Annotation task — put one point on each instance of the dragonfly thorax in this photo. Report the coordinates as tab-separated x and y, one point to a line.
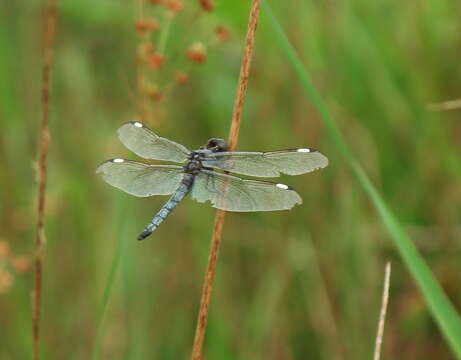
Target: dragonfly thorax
194	164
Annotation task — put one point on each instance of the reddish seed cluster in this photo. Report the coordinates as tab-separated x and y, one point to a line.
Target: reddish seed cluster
151	54
222	33
182	78
206	5
155	61
197	53
174	6
144	50
149	25
14	264
20	264
152	91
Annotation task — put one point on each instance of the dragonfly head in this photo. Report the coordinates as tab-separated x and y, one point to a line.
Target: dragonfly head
216	145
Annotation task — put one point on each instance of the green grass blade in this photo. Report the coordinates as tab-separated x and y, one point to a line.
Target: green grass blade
123	208
441	308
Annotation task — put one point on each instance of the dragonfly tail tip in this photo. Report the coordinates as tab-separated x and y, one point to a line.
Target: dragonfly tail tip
144	234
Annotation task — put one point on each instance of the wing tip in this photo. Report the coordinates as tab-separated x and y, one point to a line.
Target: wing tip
312	150
298	199
130	124
324	159
99	168
135	123
284	186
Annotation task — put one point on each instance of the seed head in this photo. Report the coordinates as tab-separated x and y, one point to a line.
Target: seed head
206	5
174	6
222	33
155	60
197	53
20	264
153	91
145	49
182	78
149	24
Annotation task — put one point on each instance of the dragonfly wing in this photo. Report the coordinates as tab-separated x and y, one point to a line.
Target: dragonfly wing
145	143
268	164
140	179
231	193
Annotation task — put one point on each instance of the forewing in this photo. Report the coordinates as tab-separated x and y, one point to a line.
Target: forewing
145	143
268	164
140	179
231	193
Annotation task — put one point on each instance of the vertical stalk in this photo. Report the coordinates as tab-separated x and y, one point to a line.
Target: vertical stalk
219	218
382	314
43	144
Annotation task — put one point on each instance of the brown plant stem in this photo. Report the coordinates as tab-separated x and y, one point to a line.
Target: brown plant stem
219	218
44	138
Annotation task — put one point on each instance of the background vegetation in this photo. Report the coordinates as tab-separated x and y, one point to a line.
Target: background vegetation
290	285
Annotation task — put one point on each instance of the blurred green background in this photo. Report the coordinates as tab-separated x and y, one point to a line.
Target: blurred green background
290	285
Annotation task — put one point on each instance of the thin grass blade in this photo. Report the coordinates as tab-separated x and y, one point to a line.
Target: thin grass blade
440	306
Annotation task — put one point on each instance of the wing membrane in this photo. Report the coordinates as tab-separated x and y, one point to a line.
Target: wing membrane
231	193
145	143
268	164
140	179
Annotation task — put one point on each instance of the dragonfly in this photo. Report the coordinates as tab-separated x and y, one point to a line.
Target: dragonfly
204	173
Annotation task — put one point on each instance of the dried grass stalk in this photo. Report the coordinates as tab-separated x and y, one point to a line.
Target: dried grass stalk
445	105
219	218
43	144
382	315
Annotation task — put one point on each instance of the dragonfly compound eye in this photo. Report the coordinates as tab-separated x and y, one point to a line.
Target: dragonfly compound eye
216	145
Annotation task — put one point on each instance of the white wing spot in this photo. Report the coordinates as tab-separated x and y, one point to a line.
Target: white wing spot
304	150
138	124
282	186
118	160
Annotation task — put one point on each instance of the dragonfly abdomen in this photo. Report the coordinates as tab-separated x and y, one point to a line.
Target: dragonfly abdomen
183	189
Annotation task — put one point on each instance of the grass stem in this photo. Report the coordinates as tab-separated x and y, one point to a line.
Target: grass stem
43	145
382	314
439	304
219	218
